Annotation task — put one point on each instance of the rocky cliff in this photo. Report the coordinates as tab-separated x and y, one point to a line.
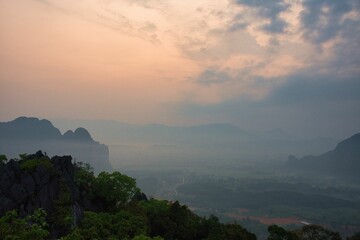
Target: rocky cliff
52	184
57	185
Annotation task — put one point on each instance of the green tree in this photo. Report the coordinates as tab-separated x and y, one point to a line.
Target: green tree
3	159
120	225
187	223
212	229
115	188
157	212
15	228
85	179
209	227
30	164
23	156
316	232
143	237
233	231
278	233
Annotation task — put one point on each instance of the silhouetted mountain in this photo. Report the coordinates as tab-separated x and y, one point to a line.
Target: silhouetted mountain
29	128
220	141
80	134
343	160
26	135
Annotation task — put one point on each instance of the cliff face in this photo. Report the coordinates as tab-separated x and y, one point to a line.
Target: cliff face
36	181
26	135
27	189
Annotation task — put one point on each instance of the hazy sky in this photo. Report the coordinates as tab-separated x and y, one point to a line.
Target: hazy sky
259	64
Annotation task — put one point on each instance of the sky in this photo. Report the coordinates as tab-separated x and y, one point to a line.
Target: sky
258	64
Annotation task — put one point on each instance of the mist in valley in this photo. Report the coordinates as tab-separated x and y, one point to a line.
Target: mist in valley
246	110
255	178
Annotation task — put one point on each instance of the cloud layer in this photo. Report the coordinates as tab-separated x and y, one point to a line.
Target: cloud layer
185	62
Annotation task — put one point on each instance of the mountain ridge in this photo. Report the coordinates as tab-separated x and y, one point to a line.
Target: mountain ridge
30	134
216	141
343	160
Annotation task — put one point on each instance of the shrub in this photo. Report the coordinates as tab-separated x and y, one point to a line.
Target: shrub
30	164
32	227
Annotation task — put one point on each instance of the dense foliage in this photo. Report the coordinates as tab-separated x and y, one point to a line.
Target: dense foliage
27	164
307	232
125	213
115	188
112	208
32	227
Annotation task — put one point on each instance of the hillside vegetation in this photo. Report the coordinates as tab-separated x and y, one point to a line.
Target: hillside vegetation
43	198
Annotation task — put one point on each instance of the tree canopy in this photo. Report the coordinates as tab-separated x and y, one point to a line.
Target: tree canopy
116	188
112	209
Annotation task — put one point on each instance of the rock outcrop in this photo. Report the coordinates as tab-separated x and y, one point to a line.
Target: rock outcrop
28	189
40	182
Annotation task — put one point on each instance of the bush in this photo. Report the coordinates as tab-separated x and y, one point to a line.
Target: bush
120	225
143	237
32	227
30	164
115	188
3	159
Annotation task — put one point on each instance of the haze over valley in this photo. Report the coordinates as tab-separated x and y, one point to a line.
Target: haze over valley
248	110
214	169
144	144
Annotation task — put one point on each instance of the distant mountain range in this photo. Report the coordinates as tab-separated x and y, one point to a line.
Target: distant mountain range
344	160
132	144
142	143
28	135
